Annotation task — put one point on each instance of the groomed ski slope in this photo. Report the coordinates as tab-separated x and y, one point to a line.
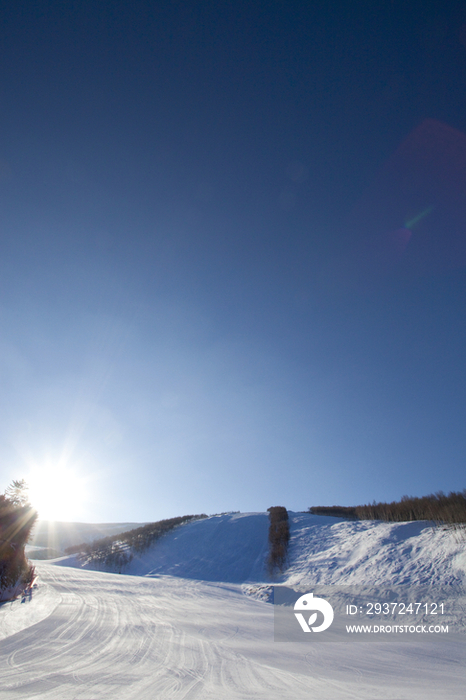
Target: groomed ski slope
233	548
186	629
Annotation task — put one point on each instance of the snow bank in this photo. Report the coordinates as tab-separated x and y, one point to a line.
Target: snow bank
23	612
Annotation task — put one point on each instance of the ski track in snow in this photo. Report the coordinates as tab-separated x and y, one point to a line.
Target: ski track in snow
162	636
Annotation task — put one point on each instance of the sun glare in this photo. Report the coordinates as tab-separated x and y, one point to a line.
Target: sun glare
56	492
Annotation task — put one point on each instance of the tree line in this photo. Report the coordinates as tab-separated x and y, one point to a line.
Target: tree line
439	507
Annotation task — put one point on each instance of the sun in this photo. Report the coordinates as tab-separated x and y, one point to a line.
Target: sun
57	492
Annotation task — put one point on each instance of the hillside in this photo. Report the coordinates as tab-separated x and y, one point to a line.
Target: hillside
233	548
179	625
330	550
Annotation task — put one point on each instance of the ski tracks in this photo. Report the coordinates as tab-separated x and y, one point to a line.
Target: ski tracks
127	637
135	638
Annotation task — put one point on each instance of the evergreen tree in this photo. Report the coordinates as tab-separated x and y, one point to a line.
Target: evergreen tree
16	493
17	518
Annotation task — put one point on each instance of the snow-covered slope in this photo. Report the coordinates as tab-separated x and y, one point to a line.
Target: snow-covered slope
233	548
328	550
183	628
135	638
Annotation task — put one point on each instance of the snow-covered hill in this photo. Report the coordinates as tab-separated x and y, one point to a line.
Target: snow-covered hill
329	550
183	628
233	548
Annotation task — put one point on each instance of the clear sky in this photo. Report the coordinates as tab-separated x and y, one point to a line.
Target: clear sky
233	254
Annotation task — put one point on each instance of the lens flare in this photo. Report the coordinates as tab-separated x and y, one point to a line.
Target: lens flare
412	222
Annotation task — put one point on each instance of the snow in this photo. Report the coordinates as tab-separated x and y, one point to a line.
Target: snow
336	551
231	547
19	614
179	625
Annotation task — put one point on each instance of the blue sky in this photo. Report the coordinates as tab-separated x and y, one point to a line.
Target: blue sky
210	297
